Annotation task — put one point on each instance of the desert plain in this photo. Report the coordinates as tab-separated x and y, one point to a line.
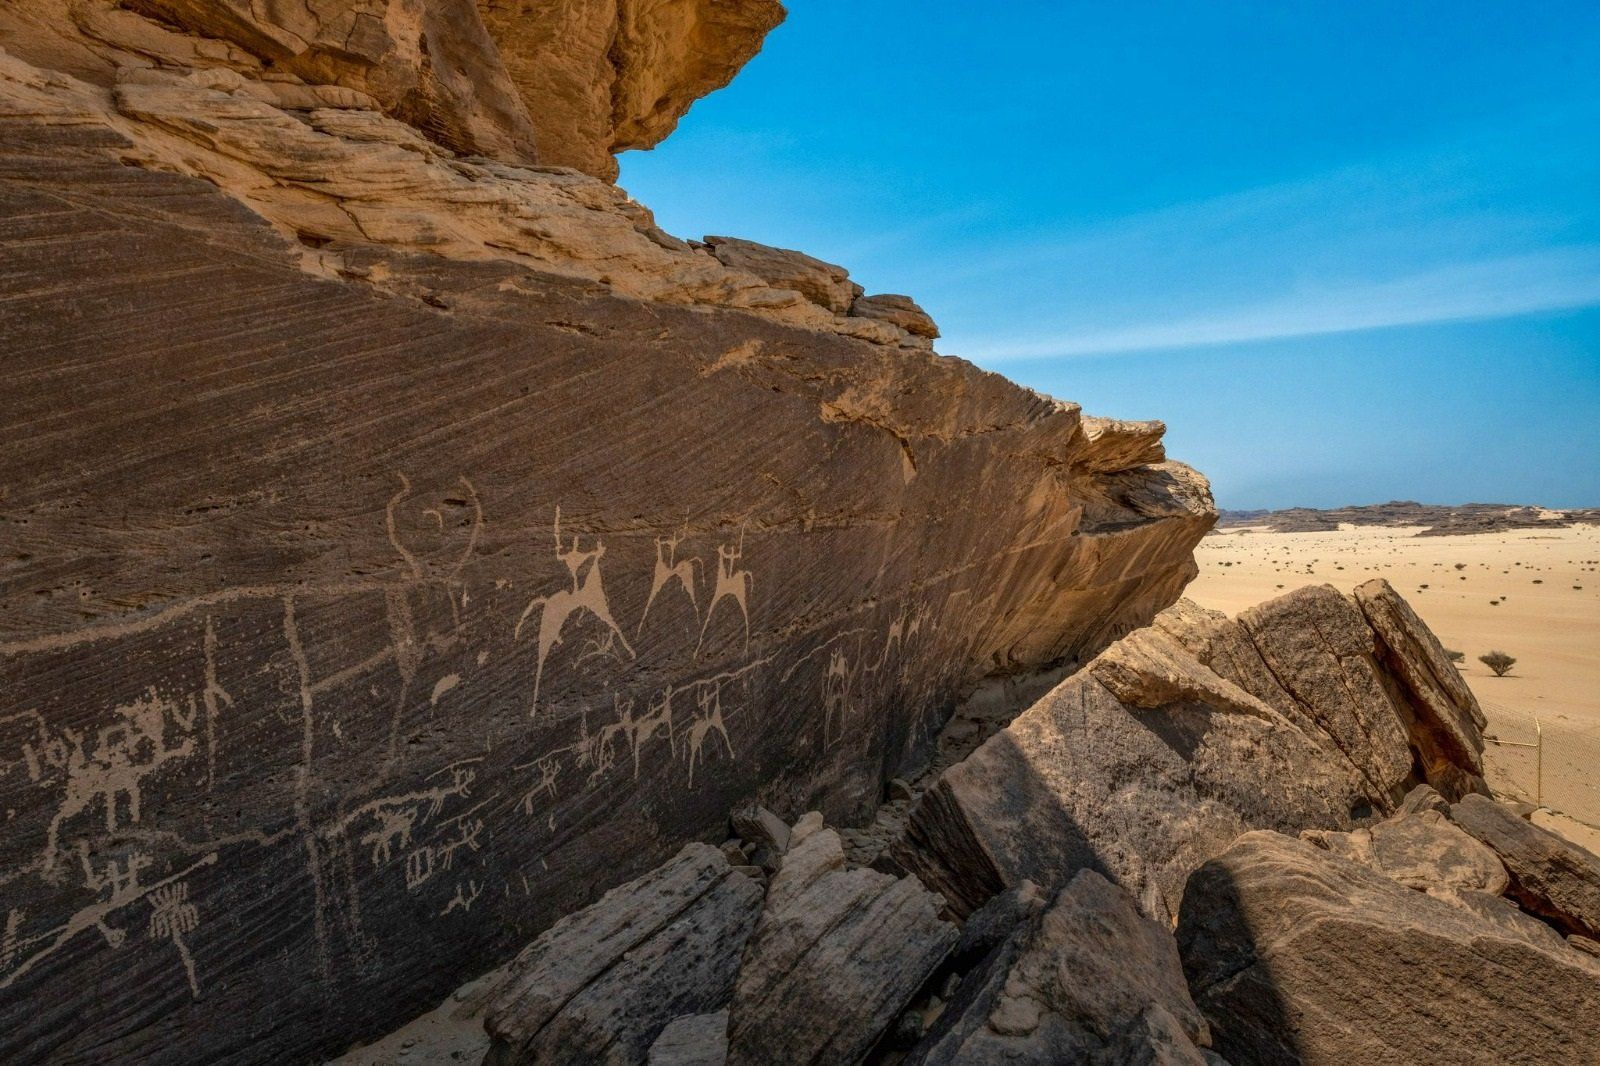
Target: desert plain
1533	594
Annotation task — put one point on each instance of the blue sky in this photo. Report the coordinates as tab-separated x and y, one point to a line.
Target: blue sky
1347	251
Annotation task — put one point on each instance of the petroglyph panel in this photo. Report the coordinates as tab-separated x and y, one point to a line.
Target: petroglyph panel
353	630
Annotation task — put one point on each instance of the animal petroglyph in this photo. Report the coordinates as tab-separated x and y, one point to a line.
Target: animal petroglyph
115	765
587	594
398	816
546	771
466	895
669	568
171	917
394	828
733	584
430	859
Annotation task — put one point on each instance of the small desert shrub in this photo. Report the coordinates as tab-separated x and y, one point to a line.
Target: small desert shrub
1456	656
1499	662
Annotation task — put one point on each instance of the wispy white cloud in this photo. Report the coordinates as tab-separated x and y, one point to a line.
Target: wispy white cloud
1496	287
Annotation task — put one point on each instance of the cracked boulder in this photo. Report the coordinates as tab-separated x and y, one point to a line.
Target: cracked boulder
1174	741
1421	850
836	957
606	981
1086	979
1298	955
1550	876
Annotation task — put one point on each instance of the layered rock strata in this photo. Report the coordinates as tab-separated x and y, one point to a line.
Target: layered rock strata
400	548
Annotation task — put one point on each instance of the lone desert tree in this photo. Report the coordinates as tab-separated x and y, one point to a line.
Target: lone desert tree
1499	662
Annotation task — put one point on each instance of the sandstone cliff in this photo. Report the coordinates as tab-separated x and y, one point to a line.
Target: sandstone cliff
401	542
566	82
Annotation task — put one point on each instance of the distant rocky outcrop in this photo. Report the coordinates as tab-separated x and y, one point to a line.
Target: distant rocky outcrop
1313	710
1438	520
402	541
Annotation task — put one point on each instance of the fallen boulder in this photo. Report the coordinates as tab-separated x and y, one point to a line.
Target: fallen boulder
1443	720
1421	850
1088	979
1296	955
835	958
602	984
1550	876
1170	744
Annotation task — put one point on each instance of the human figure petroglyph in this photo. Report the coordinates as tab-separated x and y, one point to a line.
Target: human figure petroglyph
670	568
8	943
121	885
171	917
835	693
123	755
212	696
707	721
733	584
555	610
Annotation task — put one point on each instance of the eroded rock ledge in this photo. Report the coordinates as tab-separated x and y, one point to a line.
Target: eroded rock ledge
562	82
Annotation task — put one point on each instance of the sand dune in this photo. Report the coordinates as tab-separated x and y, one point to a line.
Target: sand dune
1534	594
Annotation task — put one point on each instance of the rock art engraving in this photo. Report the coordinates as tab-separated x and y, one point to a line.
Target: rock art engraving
836	680
733	584
546	770
467	894
153	731
171	916
707	722
668	569
119	882
587	594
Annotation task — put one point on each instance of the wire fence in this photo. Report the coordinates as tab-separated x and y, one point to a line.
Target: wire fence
1551	761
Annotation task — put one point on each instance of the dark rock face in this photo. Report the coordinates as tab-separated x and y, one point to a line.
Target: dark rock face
607	980
1180	737
1088	979
351	633
837	955
1550	876
1296	955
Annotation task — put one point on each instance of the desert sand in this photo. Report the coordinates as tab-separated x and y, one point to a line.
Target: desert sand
1534	594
